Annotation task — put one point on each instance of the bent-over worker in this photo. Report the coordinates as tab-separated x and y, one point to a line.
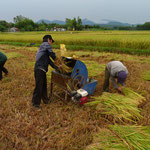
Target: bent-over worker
3	59
115	70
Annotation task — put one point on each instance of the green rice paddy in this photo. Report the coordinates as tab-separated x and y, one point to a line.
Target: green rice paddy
132	42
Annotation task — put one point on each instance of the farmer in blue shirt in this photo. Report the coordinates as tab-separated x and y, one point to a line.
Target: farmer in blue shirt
3	59
41	67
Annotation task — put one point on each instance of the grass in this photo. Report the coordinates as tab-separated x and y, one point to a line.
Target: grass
146	75
13	55
94	67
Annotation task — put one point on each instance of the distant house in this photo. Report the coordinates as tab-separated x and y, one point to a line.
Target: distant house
46	29
63	29
58	29
14	29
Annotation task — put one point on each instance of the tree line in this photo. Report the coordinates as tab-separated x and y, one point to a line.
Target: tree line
25	24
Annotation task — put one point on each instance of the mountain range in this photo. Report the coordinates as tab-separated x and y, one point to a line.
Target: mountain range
103	22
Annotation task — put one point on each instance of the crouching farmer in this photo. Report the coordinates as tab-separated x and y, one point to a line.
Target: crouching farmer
115	70
3	59
41	67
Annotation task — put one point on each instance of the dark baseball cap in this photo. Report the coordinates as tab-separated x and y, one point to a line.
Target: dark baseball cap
122	77
46	37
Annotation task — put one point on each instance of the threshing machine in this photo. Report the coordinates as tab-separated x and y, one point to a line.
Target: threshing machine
75	84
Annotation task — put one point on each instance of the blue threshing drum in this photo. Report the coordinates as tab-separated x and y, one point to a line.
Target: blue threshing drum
80	70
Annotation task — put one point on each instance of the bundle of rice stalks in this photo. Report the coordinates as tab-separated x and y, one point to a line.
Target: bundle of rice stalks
62	65
63	49
104	139
136	98
134	137
146	76
116	106
60	61
118	137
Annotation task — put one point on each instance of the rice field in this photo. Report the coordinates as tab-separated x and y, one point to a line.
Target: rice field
133	42
121	123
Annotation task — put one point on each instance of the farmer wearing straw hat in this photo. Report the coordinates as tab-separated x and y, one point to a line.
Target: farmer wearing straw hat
115	70
3	59
40	69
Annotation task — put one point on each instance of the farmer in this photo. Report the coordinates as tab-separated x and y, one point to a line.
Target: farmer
115	70
40	69
3	59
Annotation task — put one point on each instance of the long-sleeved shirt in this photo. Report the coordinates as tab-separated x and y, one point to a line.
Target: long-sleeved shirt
3	57
114	67
43	57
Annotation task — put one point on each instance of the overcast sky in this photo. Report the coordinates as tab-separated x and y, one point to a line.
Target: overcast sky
127	11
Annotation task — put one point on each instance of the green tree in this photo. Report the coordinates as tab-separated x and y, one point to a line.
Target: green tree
24	23
69	24
41	27
79	24
29	28
74	24
3	25
145	26
18	19
2	28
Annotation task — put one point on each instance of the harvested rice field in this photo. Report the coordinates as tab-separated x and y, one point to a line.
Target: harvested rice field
114	122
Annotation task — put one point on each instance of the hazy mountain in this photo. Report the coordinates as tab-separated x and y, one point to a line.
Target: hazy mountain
50	22
84	21
103	22
87	22
111	23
